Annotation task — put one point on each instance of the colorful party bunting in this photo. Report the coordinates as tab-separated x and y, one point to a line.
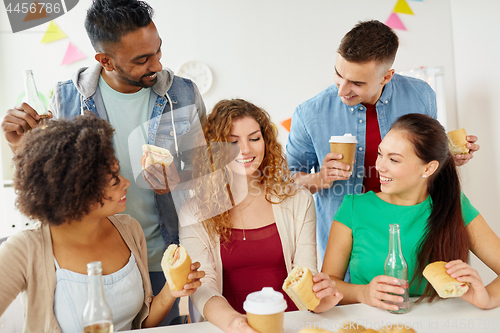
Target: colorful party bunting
402	7
287	124
37	14
72	55
394	22
53	33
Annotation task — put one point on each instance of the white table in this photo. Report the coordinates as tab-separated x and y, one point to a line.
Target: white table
451	315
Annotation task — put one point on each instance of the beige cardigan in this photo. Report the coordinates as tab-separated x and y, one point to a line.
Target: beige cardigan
296	223
27	265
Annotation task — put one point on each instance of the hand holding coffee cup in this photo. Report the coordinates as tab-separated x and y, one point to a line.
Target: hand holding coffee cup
345	145
338	164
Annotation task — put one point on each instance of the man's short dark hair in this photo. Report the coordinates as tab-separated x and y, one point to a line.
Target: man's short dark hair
107	21
368	41
63	171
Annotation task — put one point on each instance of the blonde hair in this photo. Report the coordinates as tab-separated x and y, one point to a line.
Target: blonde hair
213	196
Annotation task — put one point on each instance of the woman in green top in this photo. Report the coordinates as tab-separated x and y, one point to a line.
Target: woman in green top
420	190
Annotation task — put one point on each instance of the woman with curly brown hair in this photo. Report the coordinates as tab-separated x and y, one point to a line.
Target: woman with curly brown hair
67	178
247	223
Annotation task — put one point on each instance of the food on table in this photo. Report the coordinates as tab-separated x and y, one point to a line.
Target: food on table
352	327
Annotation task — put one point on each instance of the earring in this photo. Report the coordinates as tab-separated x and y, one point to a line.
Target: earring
425	176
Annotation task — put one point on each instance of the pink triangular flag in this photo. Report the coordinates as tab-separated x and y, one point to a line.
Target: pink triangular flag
73	54
394	22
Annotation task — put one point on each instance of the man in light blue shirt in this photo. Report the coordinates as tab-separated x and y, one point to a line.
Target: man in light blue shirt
364	79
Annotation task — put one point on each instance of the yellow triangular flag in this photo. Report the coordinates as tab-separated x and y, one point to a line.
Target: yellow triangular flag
403	8
53	33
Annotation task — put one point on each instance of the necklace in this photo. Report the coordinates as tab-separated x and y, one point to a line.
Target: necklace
241	215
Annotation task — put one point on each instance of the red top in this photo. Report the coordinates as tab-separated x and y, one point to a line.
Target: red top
252	264
371	180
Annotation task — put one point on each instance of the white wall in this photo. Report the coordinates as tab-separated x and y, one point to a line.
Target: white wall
476	36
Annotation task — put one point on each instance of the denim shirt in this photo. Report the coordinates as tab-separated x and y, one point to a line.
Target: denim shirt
324	115
73	97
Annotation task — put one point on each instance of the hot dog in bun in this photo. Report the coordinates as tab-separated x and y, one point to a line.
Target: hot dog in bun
298	285
443	283
176	265
152	155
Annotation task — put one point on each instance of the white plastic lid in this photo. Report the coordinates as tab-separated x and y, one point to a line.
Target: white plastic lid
346	138
265	302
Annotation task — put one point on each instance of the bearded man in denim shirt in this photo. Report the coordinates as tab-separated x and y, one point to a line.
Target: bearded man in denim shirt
366	99
145	103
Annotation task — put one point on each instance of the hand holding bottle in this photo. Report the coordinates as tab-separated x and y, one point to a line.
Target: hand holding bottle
18	121
396	267
383	292
30	114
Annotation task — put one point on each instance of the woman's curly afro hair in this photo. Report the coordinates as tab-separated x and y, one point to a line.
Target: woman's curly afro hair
62	171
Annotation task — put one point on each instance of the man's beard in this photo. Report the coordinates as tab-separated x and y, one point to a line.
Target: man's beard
126	78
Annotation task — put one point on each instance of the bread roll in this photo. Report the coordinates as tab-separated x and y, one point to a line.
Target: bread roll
351	327
152	155
298	285
457	140
176	265
443	283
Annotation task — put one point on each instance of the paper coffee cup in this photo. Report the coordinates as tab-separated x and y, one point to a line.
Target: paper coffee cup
345	145
265	310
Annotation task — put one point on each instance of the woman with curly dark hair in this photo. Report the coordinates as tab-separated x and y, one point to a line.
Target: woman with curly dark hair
247	224
67	178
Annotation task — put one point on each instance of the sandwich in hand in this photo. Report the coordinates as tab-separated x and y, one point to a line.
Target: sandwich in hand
176	265
152	155
457	140
298	285
443	283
